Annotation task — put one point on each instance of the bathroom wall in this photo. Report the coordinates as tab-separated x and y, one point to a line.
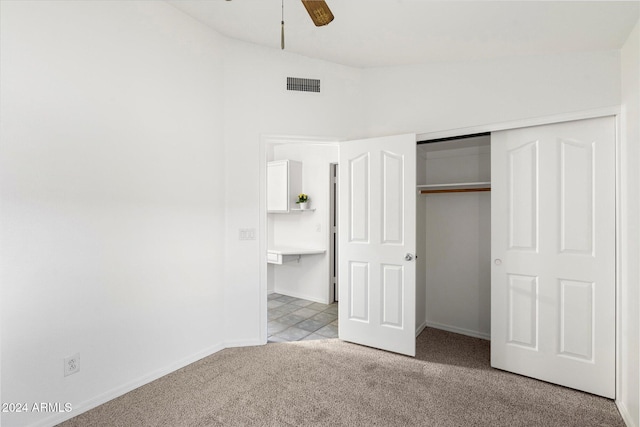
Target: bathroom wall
309	278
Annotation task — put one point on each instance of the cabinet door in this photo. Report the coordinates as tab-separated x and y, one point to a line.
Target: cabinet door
278	186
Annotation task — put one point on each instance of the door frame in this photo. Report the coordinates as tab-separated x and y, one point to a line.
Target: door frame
268	141
333	251
614	111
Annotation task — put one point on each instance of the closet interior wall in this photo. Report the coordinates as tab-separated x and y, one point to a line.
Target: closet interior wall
454	238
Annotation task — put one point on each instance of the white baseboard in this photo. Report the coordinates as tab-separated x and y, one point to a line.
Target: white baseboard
626	416
301	296
420	328
461	331
243	343
126	388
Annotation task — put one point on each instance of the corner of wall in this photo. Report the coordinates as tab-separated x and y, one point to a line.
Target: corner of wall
629	421
628	378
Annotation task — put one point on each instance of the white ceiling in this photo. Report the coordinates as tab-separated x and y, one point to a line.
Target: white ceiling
371	33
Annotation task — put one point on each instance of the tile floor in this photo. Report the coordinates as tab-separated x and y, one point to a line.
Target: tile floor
294	319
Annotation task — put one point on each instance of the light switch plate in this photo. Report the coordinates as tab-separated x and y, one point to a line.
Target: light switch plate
247	234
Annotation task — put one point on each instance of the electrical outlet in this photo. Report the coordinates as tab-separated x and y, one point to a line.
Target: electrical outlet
71	364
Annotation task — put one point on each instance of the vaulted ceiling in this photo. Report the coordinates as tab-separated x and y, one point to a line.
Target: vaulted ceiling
372	33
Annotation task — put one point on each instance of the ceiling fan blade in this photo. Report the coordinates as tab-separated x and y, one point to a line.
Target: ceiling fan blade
318	11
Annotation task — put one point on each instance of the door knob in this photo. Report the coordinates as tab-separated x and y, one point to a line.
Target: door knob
498	261
408	257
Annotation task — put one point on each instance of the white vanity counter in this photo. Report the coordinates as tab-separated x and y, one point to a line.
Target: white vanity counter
280	254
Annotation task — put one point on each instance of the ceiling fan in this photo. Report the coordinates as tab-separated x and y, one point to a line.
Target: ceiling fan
318	10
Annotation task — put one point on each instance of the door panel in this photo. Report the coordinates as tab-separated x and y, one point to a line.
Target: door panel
392	198
523	310
377	217
553	245
359	186
576	319
576	197
392	298
523	197
358	299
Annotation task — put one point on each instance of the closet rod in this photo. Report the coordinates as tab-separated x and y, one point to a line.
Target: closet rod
455	190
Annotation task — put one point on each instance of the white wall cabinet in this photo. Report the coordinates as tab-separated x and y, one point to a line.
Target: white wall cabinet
284	183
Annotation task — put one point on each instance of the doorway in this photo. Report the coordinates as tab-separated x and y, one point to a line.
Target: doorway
549	183
299	268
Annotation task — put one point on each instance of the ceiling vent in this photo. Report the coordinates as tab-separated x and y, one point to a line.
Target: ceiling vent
303	85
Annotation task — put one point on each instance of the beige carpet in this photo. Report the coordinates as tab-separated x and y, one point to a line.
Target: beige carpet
333	383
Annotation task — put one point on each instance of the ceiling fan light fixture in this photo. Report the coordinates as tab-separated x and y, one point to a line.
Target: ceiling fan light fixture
318	11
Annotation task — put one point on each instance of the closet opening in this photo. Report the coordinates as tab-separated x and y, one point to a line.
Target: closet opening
453	225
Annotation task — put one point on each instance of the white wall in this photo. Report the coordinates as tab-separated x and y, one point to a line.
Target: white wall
452	95
256	103
629	396
458	242
308	278
112	189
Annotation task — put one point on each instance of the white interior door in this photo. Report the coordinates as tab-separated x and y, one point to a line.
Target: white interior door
377	209
553	249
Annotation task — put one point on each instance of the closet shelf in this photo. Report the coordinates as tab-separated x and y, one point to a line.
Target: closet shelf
460	187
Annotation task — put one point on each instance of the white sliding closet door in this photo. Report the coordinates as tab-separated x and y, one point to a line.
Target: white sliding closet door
553	249
377	241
